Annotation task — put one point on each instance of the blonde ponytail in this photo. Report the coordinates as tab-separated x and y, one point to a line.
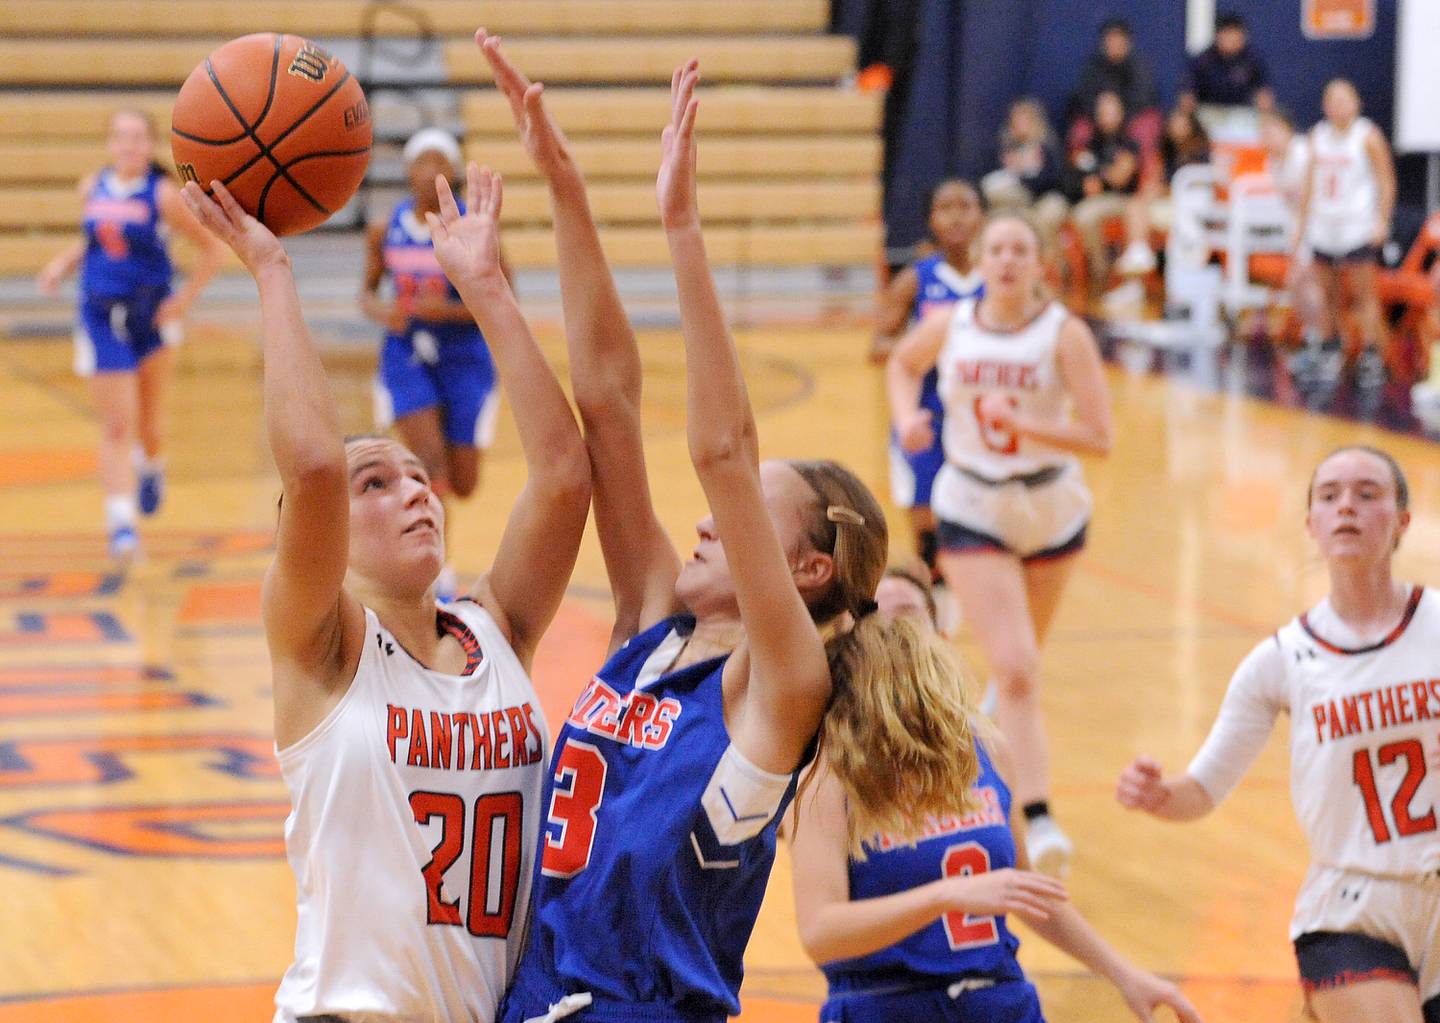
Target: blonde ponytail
898	735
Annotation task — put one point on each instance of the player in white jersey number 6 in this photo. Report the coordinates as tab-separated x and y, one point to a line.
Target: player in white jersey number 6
1359	677
409	735
1024	391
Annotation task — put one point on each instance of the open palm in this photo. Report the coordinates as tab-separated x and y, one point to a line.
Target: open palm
541	136
467	244
675	184
223	217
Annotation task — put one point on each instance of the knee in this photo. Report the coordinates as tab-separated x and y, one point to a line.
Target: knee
116	429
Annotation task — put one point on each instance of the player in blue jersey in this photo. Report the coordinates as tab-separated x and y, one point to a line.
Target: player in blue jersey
671	773
436	380
940	279
129	318
919	932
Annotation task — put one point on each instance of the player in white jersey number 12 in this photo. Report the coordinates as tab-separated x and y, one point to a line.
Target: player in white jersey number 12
408	735
1359	677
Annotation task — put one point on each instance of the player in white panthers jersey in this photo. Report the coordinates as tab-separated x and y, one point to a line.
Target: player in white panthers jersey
1359	676
409	735
1345	211
460	754
1024	392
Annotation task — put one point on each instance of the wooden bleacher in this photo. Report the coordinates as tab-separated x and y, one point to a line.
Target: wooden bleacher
346	18
790	161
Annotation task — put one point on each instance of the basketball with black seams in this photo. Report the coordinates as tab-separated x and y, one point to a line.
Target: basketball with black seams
281	122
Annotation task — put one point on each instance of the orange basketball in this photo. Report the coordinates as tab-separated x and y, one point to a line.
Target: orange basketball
280	122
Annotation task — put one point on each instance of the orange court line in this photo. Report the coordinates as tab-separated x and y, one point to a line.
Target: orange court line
46	465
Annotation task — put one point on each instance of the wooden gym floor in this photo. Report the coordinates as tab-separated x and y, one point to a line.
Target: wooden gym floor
140	807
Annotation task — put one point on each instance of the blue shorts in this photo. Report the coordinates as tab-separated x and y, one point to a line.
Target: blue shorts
449	370
912	474
1006	1001
1331	959
116	334
957	538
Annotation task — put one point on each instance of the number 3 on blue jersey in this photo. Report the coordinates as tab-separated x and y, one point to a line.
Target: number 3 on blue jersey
578	788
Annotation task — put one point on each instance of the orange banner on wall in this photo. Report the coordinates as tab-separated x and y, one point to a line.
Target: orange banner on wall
1338	19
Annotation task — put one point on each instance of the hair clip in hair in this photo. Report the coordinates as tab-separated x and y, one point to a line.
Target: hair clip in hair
866	608
849	516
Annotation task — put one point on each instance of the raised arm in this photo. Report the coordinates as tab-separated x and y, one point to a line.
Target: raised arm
833	926
789	686
913	357
605	373
527	581
313	628
212	252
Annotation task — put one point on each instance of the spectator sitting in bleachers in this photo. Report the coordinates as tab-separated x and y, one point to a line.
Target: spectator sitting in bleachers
1104	176
1116	67
1031	171
1184	143
1227	81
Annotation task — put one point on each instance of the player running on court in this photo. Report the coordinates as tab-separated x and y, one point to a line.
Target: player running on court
129	319
919	932
1359	677
942	279
672	771
408	735
435	381
1024	393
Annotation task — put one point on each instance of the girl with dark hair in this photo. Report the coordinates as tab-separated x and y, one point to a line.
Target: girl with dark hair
938	280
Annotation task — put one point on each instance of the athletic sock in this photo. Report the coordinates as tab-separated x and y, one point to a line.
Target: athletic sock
119	511
1039	808
929	551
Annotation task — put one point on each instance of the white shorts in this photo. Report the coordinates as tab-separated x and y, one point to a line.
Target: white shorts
1338	237
1403	913
1025	519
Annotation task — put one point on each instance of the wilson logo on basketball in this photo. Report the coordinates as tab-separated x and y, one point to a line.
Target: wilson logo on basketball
310	62
357	115
187	172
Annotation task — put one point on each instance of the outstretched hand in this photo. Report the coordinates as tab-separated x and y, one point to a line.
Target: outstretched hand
1142	786
675	185
223	217
1144	993
468	245
546	144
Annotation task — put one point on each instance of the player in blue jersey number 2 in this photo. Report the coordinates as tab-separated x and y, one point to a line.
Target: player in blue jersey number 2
919	932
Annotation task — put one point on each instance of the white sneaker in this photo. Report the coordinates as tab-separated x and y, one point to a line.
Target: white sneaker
1137	259
1050	848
